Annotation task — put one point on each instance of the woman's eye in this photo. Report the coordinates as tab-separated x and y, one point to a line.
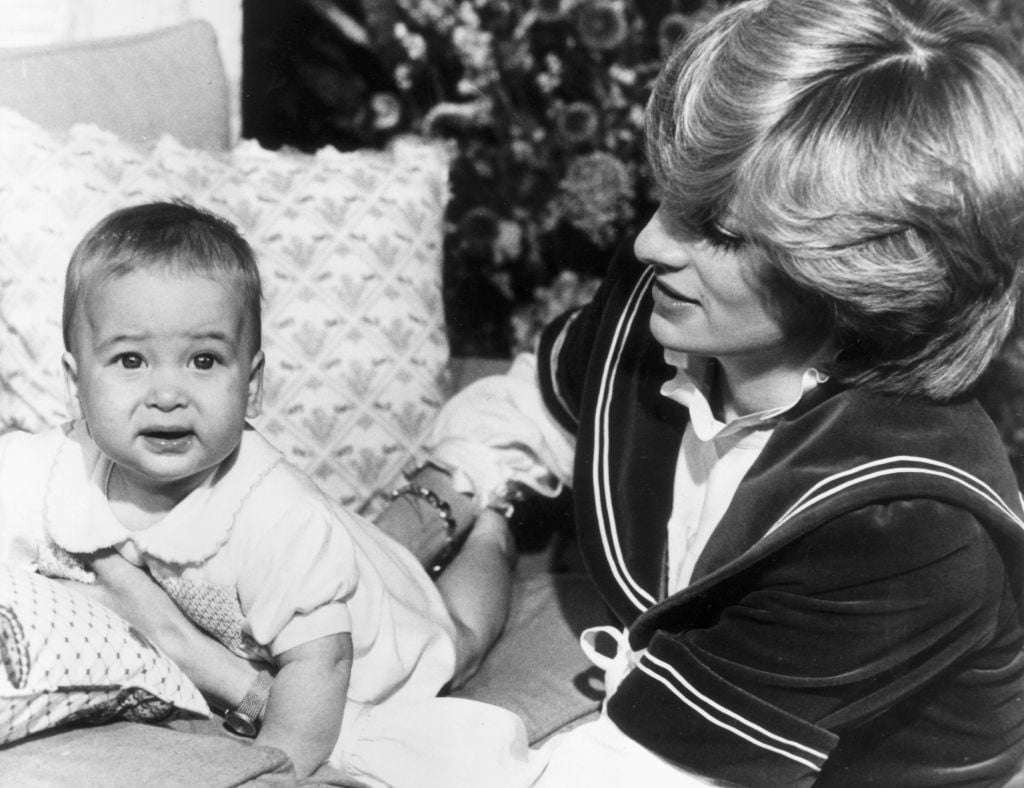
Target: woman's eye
129	360
204	361
720	238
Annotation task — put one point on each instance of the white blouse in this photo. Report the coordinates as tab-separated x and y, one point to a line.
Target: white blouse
498	429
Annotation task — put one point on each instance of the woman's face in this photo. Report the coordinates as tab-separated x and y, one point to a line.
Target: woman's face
715	295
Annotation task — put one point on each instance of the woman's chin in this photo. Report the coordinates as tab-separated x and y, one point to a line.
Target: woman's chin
671	336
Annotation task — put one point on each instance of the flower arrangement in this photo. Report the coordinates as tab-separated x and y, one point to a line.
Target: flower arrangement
543	101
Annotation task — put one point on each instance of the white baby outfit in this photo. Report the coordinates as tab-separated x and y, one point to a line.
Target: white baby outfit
261	559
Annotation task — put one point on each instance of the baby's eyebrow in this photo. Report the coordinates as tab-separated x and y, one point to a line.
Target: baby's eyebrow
120	339
214	335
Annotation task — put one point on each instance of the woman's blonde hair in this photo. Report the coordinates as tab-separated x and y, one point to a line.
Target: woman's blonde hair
875	151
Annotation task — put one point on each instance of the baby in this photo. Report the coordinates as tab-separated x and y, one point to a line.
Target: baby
163	367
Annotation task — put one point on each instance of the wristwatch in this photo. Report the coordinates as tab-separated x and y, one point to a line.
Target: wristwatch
245	719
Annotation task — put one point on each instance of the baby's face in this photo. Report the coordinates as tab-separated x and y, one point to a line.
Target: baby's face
165	375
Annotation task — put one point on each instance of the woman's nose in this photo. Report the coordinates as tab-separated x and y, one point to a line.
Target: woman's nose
656	246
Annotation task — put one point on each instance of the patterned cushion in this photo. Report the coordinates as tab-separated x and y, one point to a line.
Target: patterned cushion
349	248
66	659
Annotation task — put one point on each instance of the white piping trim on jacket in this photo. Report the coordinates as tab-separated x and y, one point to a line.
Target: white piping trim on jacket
556	350
604	507
689	695
941	469
681	688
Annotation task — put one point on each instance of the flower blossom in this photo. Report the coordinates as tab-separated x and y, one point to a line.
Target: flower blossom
601	24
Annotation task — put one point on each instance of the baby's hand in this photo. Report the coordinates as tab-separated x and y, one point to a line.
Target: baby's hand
126	589
131	592
109	584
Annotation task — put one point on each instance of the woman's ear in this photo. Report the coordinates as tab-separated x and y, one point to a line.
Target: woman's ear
70	367
255	401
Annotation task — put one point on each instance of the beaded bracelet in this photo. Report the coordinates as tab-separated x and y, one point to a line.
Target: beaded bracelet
442	559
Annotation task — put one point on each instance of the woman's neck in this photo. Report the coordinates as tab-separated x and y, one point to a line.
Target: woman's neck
745	385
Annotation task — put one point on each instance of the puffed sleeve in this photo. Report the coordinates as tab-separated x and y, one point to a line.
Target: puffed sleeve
298	569
850	618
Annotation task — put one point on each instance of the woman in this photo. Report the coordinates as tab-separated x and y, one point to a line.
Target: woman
808	530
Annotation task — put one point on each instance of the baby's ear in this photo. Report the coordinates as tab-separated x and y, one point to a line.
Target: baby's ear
70	367
255	401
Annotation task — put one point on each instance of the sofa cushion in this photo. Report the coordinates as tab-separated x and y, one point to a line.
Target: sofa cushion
165	755
67	659
537	668
349	250
170	81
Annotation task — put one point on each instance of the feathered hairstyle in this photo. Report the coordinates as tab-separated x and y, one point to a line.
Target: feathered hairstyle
875	151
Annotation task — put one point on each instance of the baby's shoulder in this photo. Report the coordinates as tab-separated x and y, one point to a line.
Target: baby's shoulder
276	495
284	493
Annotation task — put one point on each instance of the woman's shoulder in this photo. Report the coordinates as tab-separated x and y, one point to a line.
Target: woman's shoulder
852	451
854	431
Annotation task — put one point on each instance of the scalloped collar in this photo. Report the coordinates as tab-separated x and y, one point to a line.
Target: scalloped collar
78	517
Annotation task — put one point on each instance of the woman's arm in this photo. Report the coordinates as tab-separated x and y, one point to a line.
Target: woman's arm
307	700
477	590
853	618
476	585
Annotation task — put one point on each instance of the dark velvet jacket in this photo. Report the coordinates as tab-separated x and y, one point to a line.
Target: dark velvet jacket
857	617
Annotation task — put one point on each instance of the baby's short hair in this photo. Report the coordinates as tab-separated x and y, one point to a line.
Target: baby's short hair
168	237
874	149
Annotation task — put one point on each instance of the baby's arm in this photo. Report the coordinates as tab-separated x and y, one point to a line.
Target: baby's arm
307	700
131	593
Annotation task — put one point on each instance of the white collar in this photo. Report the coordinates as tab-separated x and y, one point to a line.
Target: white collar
79	519
691	388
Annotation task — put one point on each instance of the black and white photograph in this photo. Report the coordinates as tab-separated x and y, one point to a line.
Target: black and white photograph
512	393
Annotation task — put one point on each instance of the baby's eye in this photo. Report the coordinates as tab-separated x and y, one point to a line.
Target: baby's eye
129	360
204	361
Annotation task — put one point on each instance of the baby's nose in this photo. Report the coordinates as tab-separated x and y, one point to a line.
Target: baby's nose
167	394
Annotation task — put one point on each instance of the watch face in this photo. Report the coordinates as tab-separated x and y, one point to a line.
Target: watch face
240	724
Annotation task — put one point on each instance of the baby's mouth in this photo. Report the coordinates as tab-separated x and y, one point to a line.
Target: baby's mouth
168	441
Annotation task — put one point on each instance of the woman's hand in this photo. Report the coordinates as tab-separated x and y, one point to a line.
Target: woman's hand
417	526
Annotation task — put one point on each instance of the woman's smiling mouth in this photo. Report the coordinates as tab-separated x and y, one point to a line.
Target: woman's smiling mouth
667	296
